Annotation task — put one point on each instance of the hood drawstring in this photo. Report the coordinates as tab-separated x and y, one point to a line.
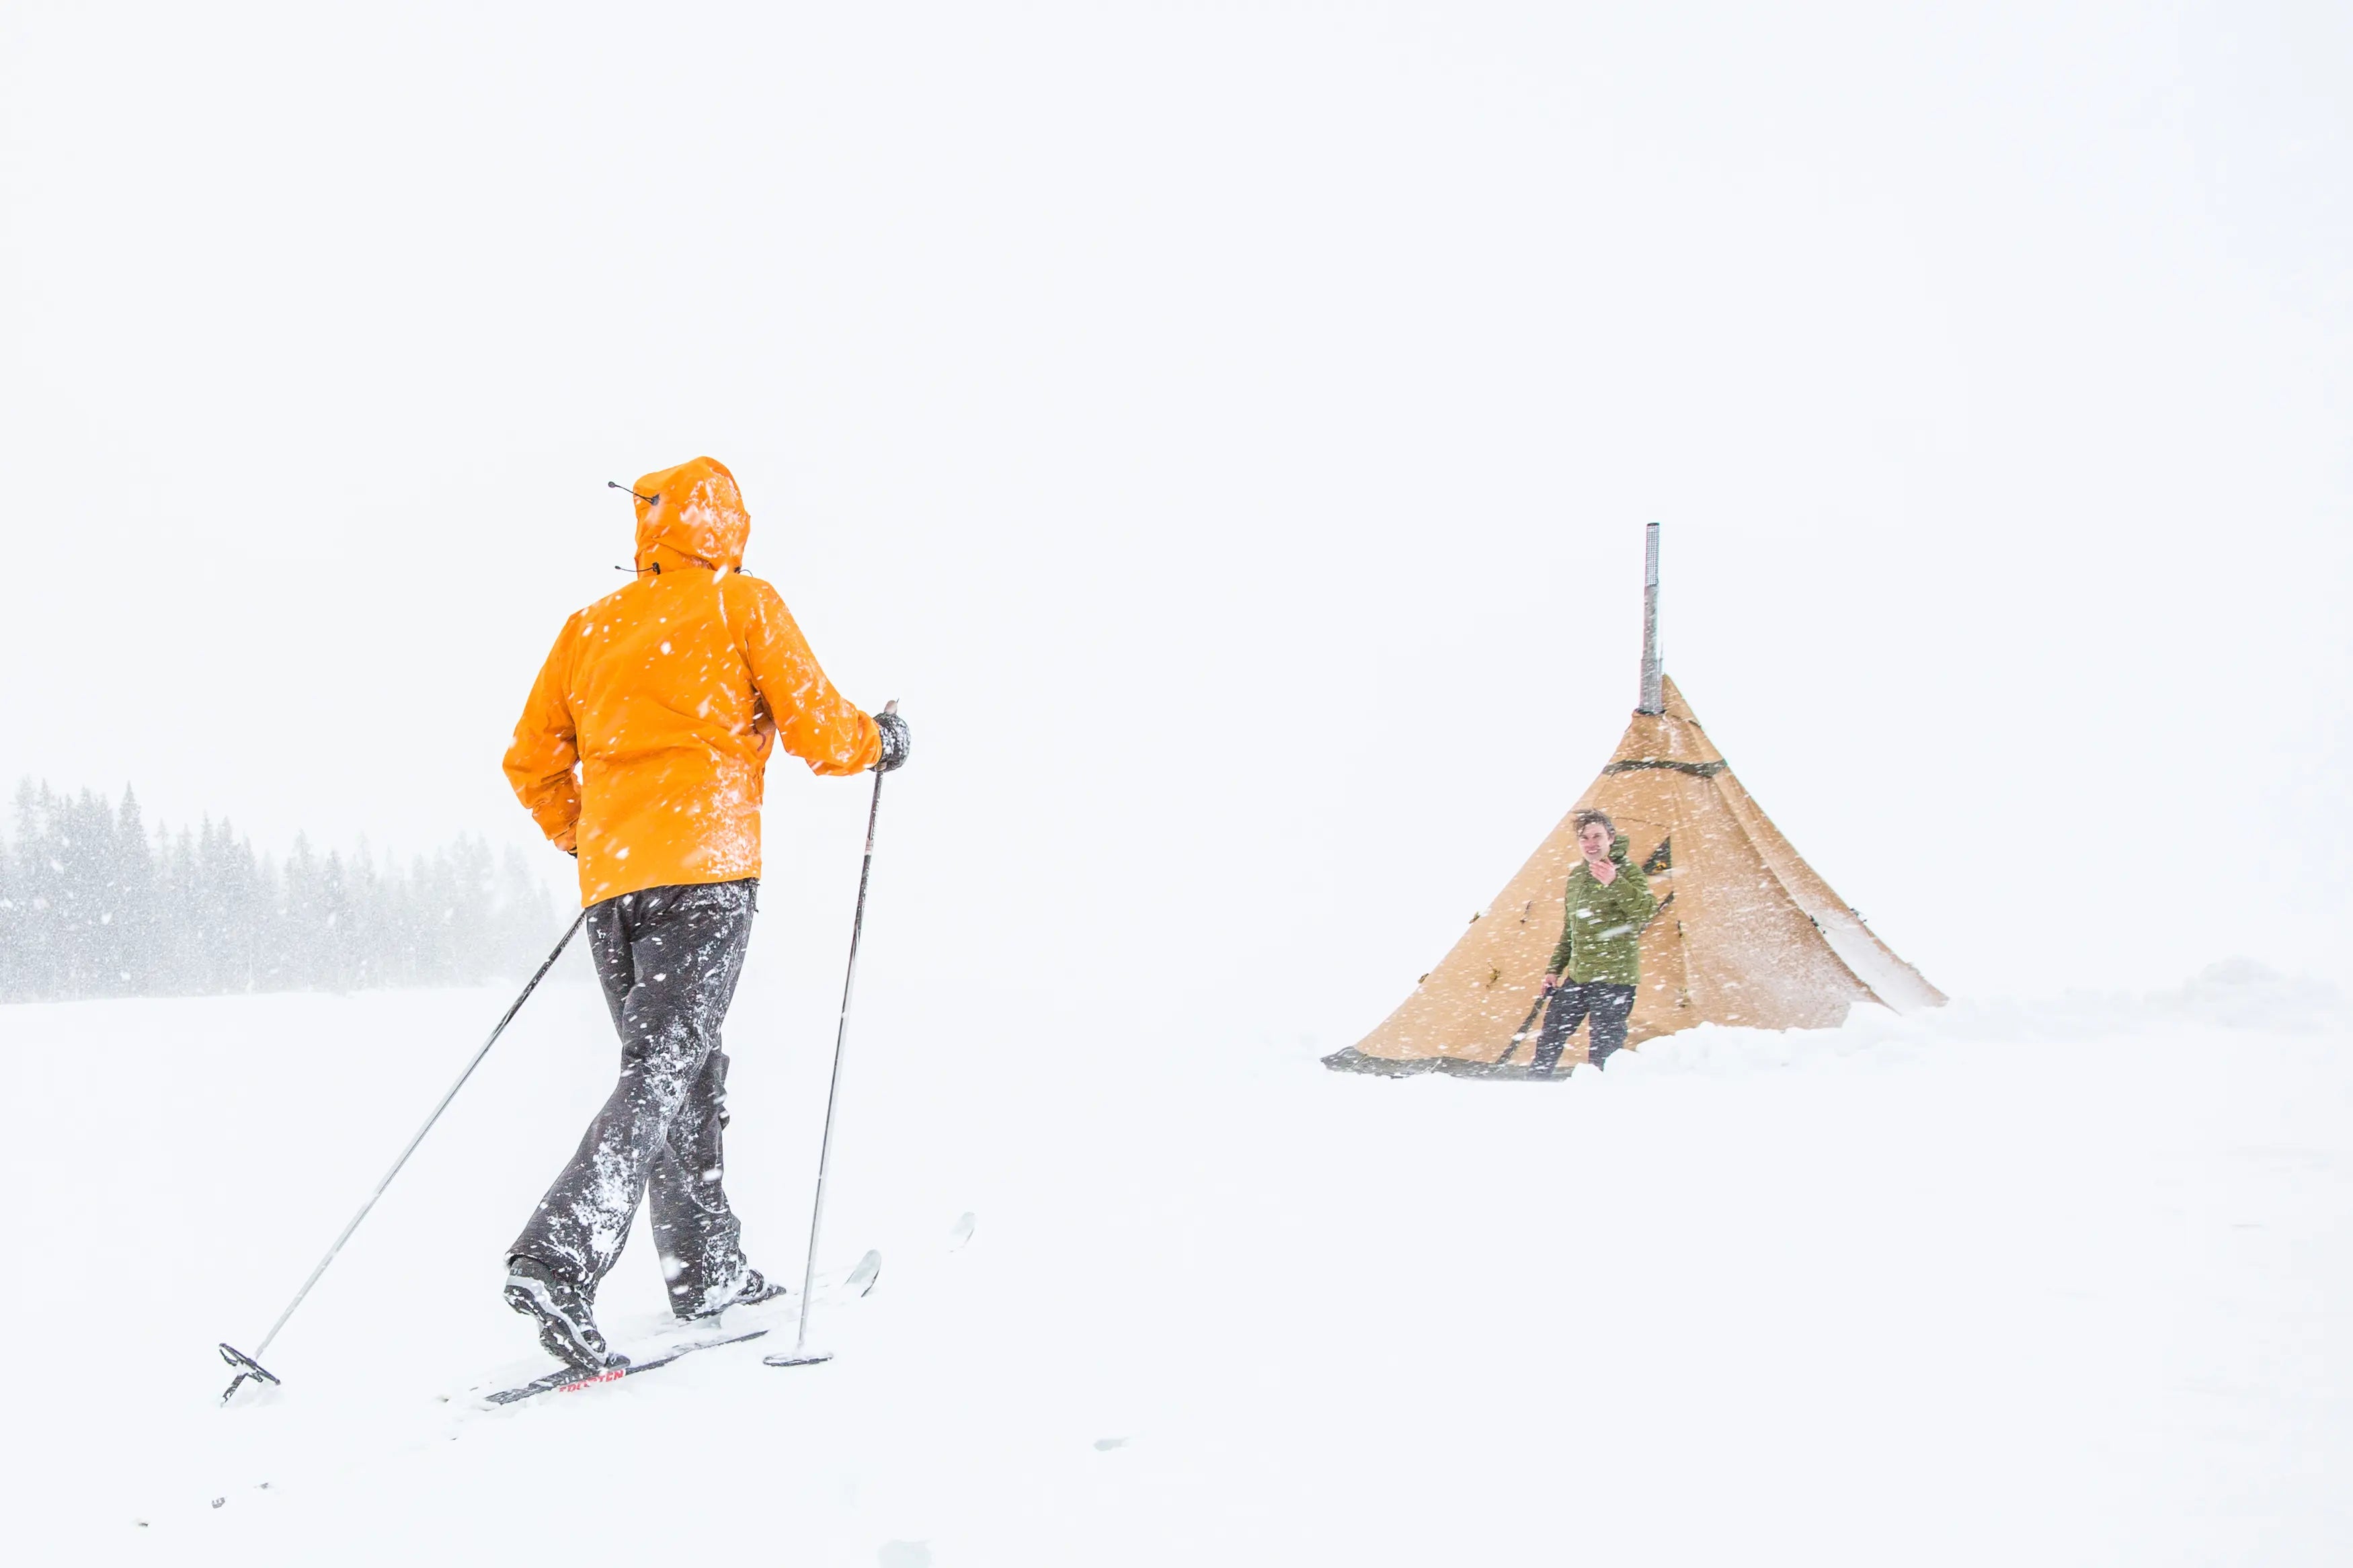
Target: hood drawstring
650	500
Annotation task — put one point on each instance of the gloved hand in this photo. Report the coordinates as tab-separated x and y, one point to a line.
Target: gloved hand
895	741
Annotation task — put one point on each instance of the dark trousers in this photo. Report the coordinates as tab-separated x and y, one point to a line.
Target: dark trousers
669	959
1608	1006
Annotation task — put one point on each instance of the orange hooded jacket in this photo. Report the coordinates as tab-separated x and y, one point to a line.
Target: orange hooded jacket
665	697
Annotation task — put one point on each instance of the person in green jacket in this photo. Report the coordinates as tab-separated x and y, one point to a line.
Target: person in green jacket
1594	969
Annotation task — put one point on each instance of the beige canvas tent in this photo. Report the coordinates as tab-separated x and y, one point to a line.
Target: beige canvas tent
1747	932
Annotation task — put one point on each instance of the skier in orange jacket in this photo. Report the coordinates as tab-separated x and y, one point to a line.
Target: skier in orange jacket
641	750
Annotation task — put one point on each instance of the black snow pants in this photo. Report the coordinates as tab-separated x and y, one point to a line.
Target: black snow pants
669	959
1607	1004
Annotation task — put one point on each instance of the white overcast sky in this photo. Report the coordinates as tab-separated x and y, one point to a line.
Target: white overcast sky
1229	428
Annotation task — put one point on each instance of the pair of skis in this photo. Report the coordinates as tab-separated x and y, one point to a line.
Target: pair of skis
573	1380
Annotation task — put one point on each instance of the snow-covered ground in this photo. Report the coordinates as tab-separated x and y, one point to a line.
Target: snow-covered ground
2064	1284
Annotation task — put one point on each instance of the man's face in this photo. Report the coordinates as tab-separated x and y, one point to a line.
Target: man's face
1594	839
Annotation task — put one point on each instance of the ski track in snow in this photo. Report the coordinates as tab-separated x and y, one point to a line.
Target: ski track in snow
2061	1283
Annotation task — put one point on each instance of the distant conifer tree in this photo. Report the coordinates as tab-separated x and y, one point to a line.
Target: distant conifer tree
94	903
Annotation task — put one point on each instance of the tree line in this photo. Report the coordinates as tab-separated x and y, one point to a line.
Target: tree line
92	903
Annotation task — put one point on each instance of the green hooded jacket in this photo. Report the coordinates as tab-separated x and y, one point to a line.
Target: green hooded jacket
1600	937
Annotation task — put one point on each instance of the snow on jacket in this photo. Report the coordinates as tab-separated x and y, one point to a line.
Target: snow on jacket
665	697
1601	933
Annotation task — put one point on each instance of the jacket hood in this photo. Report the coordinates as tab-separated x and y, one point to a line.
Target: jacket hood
696	517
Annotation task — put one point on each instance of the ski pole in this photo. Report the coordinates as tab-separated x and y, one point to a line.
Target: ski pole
1525	1024
801	1355
250	1365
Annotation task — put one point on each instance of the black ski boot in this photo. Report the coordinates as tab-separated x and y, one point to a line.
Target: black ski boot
709	1302
567	1324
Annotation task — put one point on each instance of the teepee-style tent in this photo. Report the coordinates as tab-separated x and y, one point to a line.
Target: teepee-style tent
1747	932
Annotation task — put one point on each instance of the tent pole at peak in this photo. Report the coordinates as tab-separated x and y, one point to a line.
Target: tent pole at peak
1652	673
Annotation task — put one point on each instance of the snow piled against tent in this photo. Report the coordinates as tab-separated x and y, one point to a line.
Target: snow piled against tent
2238	994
